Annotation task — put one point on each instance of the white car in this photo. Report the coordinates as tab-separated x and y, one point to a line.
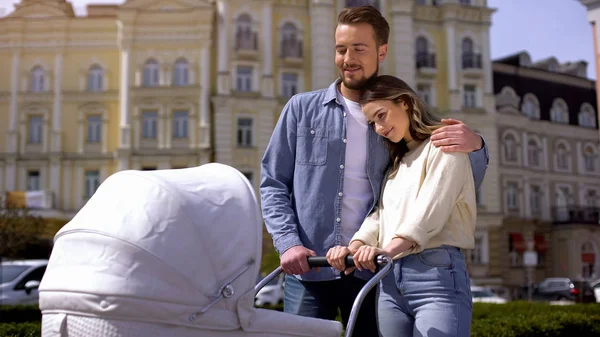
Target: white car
272	293
485	295
19	281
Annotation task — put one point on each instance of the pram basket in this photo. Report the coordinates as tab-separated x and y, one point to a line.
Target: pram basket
383	262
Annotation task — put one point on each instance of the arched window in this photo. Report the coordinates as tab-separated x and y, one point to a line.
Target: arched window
38	79
510	148
95	78
181	73
151	73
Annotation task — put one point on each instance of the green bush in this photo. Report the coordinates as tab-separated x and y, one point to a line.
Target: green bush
20	313
24	329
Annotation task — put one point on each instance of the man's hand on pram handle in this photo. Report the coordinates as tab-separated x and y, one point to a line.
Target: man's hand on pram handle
293	260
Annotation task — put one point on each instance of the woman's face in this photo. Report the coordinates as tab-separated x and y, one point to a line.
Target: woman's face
389	119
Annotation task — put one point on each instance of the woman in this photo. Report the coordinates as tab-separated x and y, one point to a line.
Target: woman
425	216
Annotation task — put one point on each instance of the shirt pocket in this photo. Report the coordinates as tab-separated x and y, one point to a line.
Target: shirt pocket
311	146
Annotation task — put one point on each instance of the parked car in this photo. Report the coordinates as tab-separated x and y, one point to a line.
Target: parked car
19	281
596	286
485	295
272	293
562	288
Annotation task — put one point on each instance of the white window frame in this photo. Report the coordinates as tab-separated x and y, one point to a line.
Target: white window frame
428	95
151	73
470	99
34	183
181	72
245	82
286	90
181	122
149	123
95	78
535	199
243	130
91	182
512	200
38	79
35	131
94	128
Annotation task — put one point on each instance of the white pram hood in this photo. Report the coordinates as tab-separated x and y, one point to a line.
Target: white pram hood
180	247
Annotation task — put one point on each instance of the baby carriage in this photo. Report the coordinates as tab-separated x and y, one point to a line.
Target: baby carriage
165	253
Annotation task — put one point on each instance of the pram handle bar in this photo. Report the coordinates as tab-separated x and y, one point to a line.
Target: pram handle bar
385	266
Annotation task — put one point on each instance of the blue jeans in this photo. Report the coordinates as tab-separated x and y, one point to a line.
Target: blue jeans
427	294
322	299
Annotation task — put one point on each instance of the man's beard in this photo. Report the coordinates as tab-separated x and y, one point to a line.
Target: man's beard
362	83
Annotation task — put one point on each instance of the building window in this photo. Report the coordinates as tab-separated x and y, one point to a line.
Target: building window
470	96
94	129
181	73
477	254
92	182
180	124
421	2
244	79
291	45
469	58
591	199
589	159
95	78
357	3
244	134
534	153
245	37
510	148
149	124
562	157
151	73
512	196
38	79
516	247
35	129
588	260
424	91
559	112
289	83
33	181
587	116
535	199
530	107
424	58
465	2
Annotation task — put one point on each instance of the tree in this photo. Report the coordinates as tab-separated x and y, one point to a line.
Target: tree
20	230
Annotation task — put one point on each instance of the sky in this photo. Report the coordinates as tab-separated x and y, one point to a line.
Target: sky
557	28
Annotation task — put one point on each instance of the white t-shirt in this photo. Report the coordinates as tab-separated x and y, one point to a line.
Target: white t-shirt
357	189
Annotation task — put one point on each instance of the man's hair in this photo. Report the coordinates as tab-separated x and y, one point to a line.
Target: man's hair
369	15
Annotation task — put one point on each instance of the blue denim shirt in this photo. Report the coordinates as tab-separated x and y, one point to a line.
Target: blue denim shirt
302	175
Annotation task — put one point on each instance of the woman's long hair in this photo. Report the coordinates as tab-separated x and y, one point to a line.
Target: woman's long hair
422	122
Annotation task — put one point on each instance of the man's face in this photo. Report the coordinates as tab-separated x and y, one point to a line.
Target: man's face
357	56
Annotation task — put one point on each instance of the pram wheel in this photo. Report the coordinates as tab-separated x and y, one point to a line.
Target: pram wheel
383	262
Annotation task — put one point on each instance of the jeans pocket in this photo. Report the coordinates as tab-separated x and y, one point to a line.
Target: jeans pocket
435	257
311	146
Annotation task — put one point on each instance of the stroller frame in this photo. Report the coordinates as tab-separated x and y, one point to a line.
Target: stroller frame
383	262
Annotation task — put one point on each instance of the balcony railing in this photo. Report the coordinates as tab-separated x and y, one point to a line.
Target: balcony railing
576	215
471	61
291	49
425	60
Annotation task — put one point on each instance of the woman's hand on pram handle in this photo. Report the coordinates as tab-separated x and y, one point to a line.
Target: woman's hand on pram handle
294	260
365	257
336	257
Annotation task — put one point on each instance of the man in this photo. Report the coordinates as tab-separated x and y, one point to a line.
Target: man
322	171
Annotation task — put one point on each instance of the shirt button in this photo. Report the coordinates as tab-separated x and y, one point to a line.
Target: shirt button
340	194
338	219
344	140
312	132
342	166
